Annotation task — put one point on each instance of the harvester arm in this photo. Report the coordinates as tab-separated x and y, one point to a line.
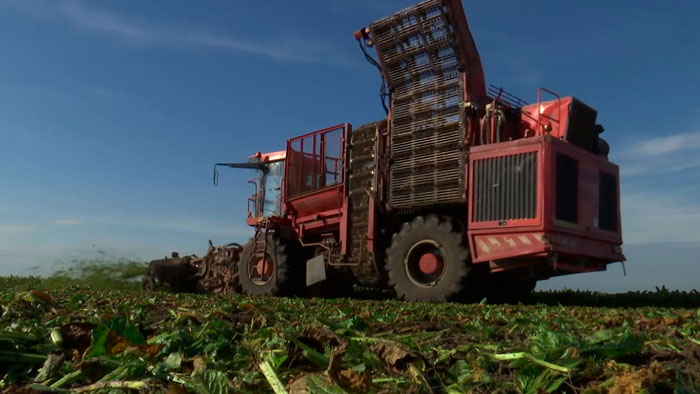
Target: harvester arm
253	166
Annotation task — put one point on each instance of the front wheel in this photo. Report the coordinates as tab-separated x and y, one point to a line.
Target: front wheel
427	260
265	272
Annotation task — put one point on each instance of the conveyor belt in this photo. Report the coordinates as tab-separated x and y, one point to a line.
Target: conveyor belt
362	184
420	51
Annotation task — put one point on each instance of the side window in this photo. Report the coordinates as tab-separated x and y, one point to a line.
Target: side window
311	163
272	183
294	170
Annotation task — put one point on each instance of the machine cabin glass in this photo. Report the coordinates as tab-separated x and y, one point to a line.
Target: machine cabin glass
271	188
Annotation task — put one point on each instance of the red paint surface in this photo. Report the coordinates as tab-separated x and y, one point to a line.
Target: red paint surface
430	264
545	236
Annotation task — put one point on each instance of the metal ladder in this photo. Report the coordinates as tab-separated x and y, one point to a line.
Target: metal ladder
258	252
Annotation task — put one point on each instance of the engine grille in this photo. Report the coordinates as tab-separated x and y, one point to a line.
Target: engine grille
419	52
505	187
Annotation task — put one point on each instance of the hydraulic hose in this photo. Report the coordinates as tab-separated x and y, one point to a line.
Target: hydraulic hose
500	118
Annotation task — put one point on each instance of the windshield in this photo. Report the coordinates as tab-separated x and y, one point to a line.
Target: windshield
272	188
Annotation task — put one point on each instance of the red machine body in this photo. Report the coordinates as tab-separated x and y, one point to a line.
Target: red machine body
315	192
458	182
574	243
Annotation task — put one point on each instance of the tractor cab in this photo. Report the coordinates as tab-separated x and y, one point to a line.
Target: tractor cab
268	184
303	183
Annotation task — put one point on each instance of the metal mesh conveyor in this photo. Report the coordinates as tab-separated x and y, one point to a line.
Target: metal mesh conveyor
419	51
363	146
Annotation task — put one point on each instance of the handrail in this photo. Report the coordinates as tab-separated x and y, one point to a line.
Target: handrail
256	197
539	109
506	97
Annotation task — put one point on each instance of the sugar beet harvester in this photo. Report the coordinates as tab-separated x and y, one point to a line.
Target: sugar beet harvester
461	189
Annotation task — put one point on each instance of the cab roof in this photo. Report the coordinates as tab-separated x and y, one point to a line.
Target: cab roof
271	156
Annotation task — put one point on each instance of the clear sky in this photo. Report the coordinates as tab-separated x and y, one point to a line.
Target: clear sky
112	114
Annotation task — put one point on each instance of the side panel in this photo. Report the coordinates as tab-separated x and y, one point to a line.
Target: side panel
326	202
594	175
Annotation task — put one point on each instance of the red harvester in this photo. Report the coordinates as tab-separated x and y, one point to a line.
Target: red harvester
463	188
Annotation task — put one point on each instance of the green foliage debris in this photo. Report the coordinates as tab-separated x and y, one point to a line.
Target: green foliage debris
71	336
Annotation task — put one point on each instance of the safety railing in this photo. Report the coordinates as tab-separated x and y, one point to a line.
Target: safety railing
540	111
256	198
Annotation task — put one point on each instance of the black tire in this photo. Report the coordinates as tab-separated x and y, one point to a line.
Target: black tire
429	235
276	283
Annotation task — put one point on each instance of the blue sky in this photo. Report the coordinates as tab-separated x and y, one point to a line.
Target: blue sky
112	114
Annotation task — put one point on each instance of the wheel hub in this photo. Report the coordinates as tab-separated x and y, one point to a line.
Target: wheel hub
424	263
263	268
430	264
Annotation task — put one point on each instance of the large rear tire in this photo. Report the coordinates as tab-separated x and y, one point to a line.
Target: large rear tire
268	277
427	260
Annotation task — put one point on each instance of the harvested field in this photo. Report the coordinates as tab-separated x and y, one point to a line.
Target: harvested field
68	336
